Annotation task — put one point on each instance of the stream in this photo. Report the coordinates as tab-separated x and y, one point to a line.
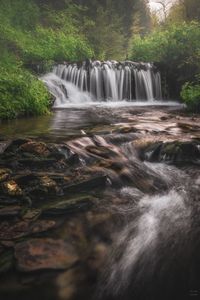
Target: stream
101	202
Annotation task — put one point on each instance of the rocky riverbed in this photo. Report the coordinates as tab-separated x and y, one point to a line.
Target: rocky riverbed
64	198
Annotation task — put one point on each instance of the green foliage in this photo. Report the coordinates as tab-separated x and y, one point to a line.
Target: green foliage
21	94
54	38
105	33
190	94
30	35
176	47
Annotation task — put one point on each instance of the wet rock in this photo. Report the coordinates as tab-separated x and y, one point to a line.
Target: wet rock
98	256
48	183
6	261
88	184
152	152
174	152
31	214
44	254
11	188
180	152
3	146
8	200
4	174
37	185
14	145
98	218
10	211
36	162
76	232
37	148
16	230
189	127
101	151
70	205
42	186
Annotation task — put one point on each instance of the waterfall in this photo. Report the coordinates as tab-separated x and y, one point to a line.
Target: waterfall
64	92
105	81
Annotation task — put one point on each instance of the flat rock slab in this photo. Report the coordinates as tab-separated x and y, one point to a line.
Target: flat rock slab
10	211
19	229
44	254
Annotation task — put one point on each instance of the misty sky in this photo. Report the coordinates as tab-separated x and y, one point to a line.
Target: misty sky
156	6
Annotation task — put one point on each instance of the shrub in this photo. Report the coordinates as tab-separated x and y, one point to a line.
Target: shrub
176	47
191	96
21	93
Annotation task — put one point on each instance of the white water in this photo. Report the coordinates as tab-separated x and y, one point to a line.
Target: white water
68	94
104	82
65	93
164	220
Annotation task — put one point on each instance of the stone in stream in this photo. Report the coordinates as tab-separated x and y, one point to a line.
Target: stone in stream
4	174
96	182
10	211
6	261
44	254
37	148
13	146
68	206
18	229
11	188
173	152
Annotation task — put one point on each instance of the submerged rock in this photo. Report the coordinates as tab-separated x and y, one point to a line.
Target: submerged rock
44	254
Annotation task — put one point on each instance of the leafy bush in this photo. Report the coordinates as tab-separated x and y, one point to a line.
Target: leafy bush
191	96
21	93
30	35
176	47
55	37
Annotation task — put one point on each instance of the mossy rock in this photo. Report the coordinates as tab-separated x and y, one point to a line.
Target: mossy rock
174	152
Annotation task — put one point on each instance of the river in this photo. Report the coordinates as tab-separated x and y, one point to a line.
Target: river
101	202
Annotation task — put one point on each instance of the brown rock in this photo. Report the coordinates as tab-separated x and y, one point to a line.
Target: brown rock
10	211
37	148
44	254
11	188
4	174
48	183
98	256
11	231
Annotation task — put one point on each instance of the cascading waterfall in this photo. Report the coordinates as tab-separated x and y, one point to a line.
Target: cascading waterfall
104	81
